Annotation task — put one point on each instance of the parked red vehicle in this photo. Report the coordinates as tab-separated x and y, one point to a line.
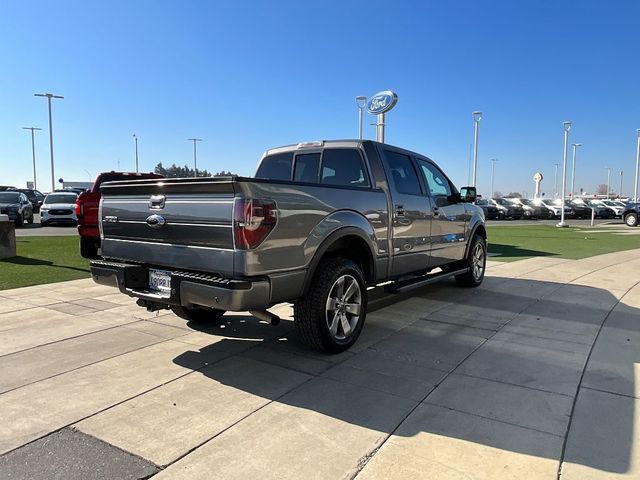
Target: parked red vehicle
87	210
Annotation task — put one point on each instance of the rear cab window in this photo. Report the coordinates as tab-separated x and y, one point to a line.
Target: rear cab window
276	166
333	166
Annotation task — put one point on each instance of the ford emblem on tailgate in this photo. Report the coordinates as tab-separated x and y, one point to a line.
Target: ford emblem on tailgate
382	102
155	221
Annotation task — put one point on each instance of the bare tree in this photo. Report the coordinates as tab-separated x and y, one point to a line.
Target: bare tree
602	189
514	195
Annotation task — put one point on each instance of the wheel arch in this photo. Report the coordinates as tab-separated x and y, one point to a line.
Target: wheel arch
349	242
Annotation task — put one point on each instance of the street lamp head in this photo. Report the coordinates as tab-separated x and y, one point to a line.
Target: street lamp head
135	136
566	125
477	116
361	101
638	131
576	144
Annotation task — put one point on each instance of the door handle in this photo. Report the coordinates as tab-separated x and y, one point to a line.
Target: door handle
400	210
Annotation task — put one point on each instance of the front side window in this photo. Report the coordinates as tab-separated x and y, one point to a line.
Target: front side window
343	166
403	174
437	184
306	169
276	167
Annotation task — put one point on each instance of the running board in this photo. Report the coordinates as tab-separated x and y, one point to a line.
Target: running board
407	285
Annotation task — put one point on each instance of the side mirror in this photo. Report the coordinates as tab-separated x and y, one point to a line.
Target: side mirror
468	194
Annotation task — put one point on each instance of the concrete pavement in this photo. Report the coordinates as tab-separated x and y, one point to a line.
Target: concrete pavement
532	375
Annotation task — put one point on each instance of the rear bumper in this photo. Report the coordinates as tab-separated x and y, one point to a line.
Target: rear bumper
187	289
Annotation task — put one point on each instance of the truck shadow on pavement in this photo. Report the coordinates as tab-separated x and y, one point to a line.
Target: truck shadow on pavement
509	365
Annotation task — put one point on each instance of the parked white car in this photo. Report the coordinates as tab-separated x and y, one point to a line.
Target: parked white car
611	205
59	207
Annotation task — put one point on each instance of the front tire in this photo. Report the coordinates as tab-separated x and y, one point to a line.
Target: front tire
330	317
199	315
477	263
631	219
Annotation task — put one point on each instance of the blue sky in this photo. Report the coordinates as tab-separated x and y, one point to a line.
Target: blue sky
246	76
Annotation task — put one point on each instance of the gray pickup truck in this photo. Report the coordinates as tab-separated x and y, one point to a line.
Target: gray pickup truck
319	224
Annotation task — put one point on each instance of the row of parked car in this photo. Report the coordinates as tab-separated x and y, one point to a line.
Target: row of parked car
20	205
547	208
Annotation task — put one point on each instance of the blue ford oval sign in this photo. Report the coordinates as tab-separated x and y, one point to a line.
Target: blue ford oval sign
382	102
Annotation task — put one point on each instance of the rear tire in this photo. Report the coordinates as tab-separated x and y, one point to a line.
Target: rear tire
198	314
477	263
330	317
88	248
631	219
30	220
19	221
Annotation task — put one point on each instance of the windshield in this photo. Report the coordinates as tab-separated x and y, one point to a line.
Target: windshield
481	202
9	197
610	203
61	198
547	201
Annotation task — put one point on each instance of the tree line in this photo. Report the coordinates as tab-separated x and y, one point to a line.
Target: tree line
176	171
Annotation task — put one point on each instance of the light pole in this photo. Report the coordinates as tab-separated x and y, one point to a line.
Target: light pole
135	140
573	169
567	127
49	97
621	178
361	102
477	116
493	168
195	154
33	153
635	183
608	181
555	180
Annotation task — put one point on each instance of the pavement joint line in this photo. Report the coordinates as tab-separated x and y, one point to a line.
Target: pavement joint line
460	374
427	319
70	338
161	340
427	402
363	461
78	420
312	377
610	393
579	386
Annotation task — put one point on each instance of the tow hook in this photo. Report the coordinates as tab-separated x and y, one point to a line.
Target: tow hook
266	316
151	306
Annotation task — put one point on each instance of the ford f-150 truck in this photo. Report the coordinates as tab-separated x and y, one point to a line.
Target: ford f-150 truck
319	224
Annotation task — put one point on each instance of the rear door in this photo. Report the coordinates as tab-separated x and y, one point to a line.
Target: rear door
449	223
411	214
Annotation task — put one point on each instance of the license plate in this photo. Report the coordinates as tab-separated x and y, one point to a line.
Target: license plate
160	281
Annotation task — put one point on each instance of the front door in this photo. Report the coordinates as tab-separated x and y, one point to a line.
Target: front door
448	227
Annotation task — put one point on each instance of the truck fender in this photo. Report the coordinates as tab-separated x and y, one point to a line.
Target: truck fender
476	226
330	231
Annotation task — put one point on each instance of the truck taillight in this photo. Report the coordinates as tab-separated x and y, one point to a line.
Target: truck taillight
253	220
79	209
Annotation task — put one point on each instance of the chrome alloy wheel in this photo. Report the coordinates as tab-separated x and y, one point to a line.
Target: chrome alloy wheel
344	304
478	261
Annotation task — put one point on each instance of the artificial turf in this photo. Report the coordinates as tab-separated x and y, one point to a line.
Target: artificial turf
511	243
43	260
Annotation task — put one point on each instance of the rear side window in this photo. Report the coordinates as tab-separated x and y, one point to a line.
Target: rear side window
404	175
276	167
306	169
343	166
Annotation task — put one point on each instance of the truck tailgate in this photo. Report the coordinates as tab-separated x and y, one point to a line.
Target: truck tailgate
181	223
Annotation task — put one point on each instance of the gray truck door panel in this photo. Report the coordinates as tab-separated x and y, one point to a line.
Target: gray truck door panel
411	215
448	227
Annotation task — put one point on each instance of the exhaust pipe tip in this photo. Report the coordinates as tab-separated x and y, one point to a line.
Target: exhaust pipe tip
266	316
